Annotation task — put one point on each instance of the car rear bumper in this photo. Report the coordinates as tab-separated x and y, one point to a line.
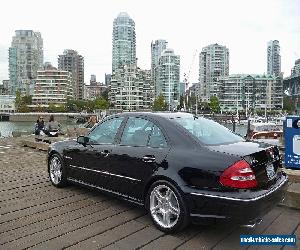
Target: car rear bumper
239	207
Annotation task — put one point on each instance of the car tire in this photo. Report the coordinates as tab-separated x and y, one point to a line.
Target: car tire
166	206
57	172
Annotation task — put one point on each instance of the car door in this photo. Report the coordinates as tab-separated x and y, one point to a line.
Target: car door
95	156
98	156
74	155
142	149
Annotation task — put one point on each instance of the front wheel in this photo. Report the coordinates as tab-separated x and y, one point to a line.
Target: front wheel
57	171
167	207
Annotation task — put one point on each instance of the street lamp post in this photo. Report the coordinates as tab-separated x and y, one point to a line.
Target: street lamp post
169	75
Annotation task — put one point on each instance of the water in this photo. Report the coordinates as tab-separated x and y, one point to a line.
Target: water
6	128
239	129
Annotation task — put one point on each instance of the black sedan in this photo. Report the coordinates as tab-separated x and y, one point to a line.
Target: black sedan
182	168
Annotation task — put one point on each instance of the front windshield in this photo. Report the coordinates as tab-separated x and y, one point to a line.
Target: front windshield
208	131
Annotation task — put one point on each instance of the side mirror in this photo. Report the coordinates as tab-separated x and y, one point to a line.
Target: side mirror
83	140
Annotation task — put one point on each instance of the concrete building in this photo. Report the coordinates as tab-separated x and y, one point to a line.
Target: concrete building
25	59
131	88
52	86
213	63
123	41
247	92
72	62
296	69
192	89
4	87
181	89
2	90
107	79
168	78
273	58
93	79
94	90
291	84
157	47
7	104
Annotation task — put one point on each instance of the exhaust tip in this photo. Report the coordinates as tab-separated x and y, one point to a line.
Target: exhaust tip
252	224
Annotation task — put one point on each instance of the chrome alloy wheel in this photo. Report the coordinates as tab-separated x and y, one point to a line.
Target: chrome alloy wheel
55	170
164	206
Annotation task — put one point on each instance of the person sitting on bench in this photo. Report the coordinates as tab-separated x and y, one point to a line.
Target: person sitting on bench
53	127
40	126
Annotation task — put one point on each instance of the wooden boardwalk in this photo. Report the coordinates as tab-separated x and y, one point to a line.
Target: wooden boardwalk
35	215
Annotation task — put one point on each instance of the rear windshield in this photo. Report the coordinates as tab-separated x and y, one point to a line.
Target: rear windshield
207	131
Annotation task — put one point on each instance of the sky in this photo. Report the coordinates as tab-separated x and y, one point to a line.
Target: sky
243	26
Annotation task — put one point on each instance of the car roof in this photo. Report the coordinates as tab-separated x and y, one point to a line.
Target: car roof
167	115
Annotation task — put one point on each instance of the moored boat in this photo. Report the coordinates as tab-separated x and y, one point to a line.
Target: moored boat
264	130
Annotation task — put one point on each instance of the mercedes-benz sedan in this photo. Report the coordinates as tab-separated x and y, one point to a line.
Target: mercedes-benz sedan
182	168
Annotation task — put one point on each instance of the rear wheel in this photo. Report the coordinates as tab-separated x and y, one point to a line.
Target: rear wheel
166	207
57	171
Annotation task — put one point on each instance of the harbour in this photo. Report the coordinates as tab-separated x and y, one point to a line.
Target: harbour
24	122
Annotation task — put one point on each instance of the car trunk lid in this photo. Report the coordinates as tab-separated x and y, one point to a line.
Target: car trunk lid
264	159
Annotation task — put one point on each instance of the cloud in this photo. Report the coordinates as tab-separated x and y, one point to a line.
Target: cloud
86	26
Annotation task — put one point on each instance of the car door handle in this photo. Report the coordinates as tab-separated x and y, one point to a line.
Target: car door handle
148	158
104	153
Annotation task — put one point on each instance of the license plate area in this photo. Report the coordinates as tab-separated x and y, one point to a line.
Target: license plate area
270	171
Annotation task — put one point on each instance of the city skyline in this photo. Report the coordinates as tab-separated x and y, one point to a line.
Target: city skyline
243	27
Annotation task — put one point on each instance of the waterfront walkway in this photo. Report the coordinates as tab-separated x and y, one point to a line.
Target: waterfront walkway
35	215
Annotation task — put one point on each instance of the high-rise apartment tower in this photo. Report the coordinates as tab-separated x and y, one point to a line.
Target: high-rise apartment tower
274	58
213	63
72	62
168	77
123	41
25	59
157	47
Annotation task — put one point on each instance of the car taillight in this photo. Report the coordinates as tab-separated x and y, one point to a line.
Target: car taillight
239	175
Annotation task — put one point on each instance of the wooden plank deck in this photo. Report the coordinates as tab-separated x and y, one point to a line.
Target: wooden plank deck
36	215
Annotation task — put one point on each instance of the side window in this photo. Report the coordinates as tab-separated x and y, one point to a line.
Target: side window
106	131
136	132
157	139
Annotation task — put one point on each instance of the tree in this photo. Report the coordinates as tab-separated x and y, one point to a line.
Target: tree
181	103
288	104
80	104
101	103
205	106
71	105
27	99
90	105
60	108
18	100
51	107
160	104
23	108
56	108
21	102
214	104
192	101
104	94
